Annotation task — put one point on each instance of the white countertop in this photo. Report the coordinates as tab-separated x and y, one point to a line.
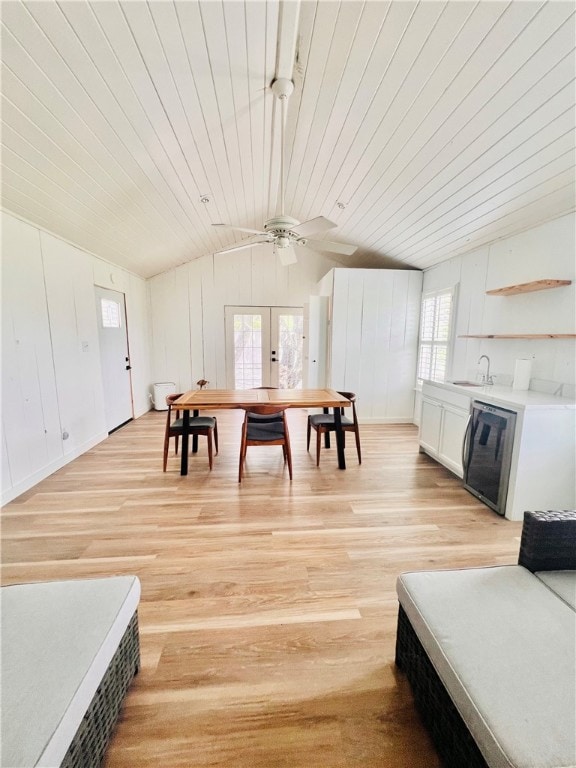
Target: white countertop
506	396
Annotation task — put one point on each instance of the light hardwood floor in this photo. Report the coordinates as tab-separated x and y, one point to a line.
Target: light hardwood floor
268	611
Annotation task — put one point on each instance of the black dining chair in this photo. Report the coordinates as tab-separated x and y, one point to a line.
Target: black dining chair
274	432
324	423
199	425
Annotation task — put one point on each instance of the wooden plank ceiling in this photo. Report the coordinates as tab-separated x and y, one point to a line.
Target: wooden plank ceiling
423	129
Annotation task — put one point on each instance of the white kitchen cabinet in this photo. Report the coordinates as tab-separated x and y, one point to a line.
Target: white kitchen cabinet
443	422
543	451
430	423
454	421
372	339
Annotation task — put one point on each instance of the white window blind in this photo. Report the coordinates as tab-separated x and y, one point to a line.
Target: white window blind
435	331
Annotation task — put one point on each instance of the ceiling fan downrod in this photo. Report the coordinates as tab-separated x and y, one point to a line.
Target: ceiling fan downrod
282	88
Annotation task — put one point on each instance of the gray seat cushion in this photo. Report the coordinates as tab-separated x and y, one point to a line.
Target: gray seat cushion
504	647
562	583
57	641
265	431
196	422
327	420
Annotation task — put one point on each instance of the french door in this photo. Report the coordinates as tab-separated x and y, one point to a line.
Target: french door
264	347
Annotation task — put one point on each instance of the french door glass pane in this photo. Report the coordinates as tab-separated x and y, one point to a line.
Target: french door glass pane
290	333
247	351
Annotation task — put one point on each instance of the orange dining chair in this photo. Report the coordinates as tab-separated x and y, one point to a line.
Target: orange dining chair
324	423
273	432
199	425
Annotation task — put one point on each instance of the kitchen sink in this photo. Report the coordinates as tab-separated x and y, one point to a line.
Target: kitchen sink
467	383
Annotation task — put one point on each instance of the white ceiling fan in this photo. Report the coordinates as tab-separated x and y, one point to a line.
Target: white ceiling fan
282	231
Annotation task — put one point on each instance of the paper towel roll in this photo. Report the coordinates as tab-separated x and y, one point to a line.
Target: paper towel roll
522	371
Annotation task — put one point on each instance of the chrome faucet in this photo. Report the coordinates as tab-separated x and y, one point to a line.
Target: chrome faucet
486	378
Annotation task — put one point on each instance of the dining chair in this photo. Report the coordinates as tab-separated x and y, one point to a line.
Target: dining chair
275	416
199	425
273	432
323	423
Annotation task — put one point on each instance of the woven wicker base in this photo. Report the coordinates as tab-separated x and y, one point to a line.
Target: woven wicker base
92	737
549	541
449	733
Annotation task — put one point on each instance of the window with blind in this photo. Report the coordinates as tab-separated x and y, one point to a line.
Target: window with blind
435	333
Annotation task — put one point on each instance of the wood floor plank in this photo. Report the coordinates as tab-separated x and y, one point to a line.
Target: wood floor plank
268	610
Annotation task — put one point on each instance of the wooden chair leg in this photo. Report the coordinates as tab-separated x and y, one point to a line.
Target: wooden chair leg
308	430
357	434
216	435
288	454
166	441
242	453
318	445
176	445
209	438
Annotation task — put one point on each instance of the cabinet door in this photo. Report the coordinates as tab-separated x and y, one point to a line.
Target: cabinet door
454	423
430	419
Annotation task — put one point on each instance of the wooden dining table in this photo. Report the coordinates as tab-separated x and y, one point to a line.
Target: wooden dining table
217	399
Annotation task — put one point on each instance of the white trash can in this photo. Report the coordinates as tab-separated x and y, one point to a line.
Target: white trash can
161	389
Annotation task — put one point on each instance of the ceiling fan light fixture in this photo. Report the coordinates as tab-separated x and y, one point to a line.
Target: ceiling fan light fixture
282	231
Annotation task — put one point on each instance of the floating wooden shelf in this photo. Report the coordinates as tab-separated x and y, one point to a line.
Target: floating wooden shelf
535	285
518	336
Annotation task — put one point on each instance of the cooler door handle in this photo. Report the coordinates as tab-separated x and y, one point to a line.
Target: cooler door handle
466	444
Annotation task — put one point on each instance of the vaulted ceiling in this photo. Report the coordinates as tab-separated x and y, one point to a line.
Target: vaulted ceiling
423	130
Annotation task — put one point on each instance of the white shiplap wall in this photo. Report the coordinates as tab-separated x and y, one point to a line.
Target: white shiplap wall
30	415
51	379
545	252
187	308
373	339
74	340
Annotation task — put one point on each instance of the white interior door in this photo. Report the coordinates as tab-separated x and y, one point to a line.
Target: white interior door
114	357
264	347
317	337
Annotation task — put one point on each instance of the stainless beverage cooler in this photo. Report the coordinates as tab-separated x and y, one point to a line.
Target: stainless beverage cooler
487	453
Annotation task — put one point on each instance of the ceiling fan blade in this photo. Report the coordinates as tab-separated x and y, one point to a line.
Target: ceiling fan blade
326	245
286	255
312	226
240	229
241	247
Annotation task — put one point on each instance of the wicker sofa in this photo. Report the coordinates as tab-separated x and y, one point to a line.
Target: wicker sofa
70	650
490	653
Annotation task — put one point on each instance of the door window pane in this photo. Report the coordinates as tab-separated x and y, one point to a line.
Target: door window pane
110	311
290	335
247	351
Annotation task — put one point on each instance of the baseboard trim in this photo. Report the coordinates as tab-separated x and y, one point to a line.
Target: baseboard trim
386	420
24	485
